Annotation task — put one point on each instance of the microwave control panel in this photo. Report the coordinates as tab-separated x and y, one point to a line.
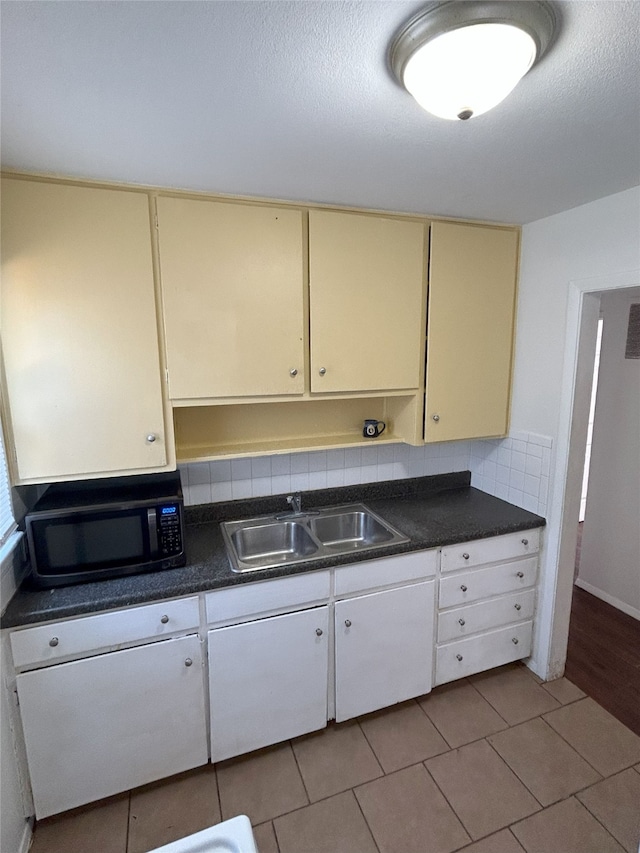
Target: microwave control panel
169	530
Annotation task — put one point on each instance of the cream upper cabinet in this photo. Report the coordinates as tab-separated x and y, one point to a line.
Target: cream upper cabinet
233	292
366	276
79	332
472	284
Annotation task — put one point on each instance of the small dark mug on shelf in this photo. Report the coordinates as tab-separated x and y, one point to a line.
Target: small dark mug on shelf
373	428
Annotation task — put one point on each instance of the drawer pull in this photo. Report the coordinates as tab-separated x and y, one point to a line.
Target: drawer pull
525	542
520	574
518	606
514	640
54	641
319	632
164	619
461	622
188	662
465	556
463	587
347	623
458	657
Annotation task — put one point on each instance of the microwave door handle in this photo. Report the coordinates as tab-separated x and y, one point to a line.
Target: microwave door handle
154	544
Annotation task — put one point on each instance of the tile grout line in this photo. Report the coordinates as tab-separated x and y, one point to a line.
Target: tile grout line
126	843
574	748
275	834
446	799
466	743
515	773
215	770
595	769
304	784
566	800
364	817
375	755
506	722
595	816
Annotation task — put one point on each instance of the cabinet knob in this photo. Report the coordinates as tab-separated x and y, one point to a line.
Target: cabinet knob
188	662
520	574
347	623
319	632
525	542
518	606
322	371
151	437
461	622
54	641
463	587
458	657
435	418
164	619
293	372
465	556
514	640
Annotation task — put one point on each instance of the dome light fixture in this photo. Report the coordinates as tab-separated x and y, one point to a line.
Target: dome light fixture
461	58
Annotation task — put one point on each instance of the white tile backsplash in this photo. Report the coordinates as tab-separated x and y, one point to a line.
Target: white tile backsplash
516	469
521	475
275	475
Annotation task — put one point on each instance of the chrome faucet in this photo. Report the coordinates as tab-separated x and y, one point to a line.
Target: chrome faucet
295	502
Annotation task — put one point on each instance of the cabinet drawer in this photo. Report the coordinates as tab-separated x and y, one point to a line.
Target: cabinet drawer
492	550
476	654
463	621
390	570
466	587
252	599
77	637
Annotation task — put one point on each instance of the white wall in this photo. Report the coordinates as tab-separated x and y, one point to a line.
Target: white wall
610	558
599	240
593	240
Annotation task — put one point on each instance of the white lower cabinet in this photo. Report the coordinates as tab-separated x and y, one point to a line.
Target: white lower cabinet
476	654
384	648
485	613
99	719
267	681
105	724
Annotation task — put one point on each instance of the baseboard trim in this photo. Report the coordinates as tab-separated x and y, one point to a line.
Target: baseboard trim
609	599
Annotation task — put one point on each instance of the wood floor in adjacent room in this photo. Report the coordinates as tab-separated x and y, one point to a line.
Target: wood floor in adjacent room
603	657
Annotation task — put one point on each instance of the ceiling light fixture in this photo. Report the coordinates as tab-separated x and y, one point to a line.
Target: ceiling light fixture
461	58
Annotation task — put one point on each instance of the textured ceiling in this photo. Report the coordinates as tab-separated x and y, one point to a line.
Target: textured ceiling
294	100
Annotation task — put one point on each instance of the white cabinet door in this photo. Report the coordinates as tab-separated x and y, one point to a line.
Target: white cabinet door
384	648
105	724
268	681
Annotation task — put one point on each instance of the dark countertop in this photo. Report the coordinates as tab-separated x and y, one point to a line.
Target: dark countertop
431	511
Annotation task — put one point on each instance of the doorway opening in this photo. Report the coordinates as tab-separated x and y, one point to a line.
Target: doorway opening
603	647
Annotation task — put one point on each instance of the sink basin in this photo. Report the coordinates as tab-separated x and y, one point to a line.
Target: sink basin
271	541
350	530
278	542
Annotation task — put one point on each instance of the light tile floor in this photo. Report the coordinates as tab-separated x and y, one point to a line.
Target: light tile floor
497	763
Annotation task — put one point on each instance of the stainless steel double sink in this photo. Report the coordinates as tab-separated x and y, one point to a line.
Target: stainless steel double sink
277	540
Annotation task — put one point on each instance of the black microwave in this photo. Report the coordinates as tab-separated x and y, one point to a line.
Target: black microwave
91	530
